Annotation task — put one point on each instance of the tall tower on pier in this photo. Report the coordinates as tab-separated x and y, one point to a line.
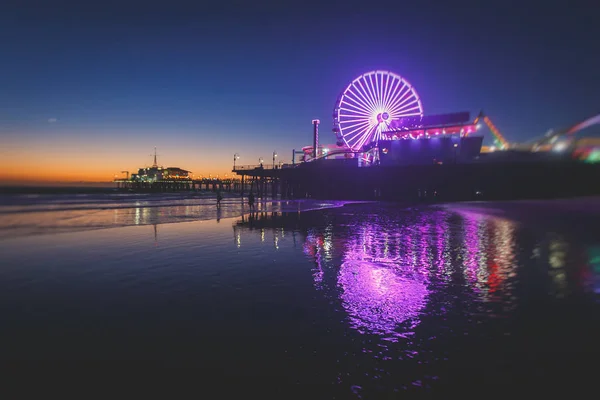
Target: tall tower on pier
315	123
155	163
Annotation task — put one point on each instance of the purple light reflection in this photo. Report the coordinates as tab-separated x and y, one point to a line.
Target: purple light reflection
382	282
383	279
378	298
385	271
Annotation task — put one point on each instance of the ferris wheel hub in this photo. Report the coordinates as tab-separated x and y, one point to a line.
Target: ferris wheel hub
382	117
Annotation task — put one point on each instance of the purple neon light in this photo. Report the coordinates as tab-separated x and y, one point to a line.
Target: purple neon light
361	107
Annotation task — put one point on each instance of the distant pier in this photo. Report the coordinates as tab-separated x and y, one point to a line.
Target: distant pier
179	185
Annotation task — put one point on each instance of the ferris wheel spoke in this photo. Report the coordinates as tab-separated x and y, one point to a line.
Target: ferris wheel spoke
351	123
351	114
355	127
398	91
354	96
373	93
353	117
398	109
348	118
366	94
407	94
408	108
347	115
362	141
368	133
392	93
359	97
348	121
411	114
378	91
378	87
353	145
358	142
385	81
381	88
352	133
355	139
400	103
358	137
388	90
352	105
415	110
350	102
358	131
399	94
359	125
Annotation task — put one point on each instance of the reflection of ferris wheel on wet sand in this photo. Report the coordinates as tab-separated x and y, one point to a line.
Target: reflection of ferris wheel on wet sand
370	105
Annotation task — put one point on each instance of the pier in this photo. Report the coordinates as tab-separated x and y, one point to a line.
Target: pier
178	185
335	180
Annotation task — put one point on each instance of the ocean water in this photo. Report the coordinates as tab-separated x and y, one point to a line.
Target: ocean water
39	213
353	300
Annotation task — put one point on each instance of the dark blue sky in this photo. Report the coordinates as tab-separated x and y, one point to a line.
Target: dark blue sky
251	77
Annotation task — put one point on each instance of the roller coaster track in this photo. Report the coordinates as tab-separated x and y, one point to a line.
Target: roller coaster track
569	132
498	138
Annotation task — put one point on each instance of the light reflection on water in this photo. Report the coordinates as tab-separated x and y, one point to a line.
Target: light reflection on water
367	297
380	296
392	274
384	275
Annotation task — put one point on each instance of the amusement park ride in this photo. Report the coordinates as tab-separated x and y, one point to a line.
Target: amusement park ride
499	140
380	106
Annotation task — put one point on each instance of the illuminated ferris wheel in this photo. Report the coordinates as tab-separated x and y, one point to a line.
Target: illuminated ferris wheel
370	105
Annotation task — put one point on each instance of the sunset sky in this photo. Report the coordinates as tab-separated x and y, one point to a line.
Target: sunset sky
88	90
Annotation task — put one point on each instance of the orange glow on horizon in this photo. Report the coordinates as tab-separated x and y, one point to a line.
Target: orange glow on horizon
96	156
72	162
33	173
